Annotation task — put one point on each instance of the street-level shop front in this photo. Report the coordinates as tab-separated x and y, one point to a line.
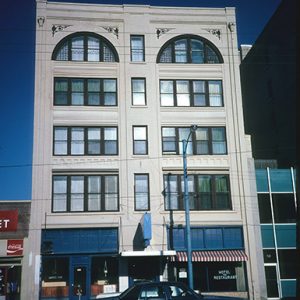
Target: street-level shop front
218	259
14	224
79	262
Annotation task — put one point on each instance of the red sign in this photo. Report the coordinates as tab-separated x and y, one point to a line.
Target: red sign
8	220
14	247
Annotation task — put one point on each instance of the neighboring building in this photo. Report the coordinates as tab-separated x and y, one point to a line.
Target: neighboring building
277	209
14	227
117	89
268	79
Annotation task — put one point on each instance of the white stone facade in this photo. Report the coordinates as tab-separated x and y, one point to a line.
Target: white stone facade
56	21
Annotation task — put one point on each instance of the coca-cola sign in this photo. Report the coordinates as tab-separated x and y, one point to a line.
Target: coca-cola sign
8	220
14	247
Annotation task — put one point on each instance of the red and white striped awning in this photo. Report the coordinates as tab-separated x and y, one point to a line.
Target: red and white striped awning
210	256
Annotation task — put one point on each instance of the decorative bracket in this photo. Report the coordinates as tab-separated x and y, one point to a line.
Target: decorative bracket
216	32
113	30
160	31
57	27
41	21
231	26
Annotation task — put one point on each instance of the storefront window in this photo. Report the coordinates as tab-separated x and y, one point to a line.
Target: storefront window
10	282
104	275
55	277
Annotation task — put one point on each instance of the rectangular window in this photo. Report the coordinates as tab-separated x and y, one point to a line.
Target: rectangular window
204	141
85	141
85	91
137	48
78	193
206	192
141	191
191	93
140	140
138	90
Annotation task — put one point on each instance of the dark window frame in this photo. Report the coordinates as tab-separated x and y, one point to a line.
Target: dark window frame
86	140
206	44
68	41
86	194
196	193
85	91
131	48
136	140
133	92
194	141
191	93
148	191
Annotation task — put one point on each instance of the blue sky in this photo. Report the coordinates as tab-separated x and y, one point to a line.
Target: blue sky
17	27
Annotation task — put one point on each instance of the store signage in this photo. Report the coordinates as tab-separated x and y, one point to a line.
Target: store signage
14	247
224	275
8	220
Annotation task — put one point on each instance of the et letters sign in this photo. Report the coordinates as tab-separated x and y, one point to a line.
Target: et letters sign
8	220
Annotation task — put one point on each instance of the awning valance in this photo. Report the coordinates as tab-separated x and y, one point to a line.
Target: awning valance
212	256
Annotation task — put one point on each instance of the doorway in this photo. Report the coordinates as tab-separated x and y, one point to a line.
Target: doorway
79	279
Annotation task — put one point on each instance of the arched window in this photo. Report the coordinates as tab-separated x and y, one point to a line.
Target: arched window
85	46
189	49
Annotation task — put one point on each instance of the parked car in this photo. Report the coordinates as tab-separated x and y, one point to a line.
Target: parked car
161	291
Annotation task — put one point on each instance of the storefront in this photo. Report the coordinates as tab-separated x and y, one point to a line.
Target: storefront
218	259
14	224
79	262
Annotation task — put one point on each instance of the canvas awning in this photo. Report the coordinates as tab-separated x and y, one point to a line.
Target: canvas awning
212	256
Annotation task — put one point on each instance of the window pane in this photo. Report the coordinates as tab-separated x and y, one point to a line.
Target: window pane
211	56
61	92
110	143
166	56
171	192
204	190
287	263
93	49
199	86
183	134
191	191
94	140
77	48
108	55
111	192
110	85
141	192
197	55
166	86
138	92
60	141
77	92
218	141
94	85
59	193
77	141
181	51
215	93
202	141
62	54
182	89
140	147
169	140
77	193
94	193
284	208
137	48
140	133
264	208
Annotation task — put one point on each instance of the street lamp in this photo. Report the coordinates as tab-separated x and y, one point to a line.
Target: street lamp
185	142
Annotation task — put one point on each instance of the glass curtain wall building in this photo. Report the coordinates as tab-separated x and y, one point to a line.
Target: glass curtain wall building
277	209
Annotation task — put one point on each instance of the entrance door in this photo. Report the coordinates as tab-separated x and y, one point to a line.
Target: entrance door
143	269
80	280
